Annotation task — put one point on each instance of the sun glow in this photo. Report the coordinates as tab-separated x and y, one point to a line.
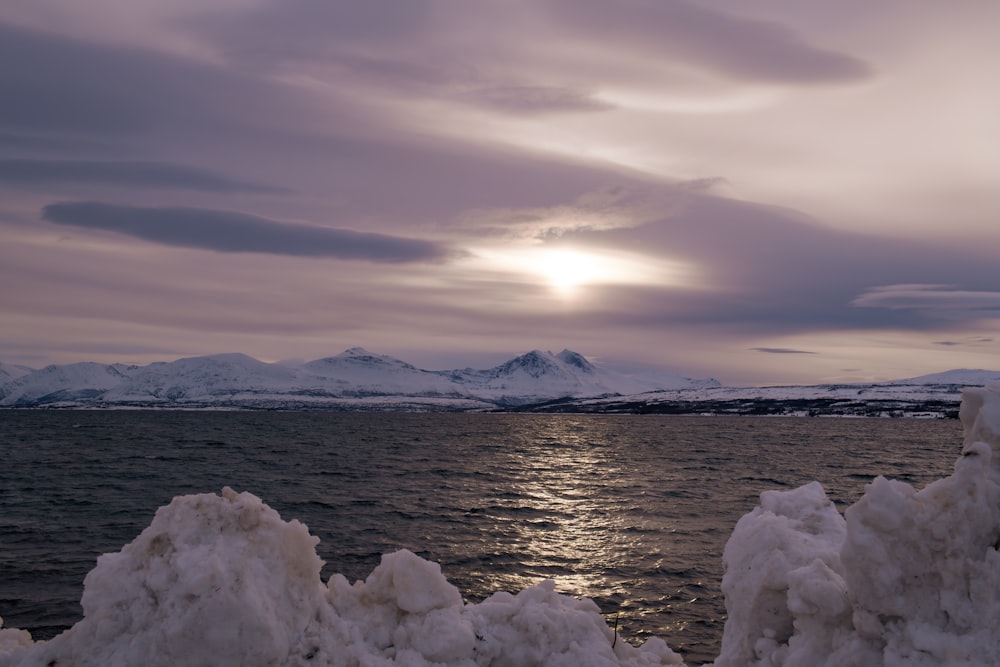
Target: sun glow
568	271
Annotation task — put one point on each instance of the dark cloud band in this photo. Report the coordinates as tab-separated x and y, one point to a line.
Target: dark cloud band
129	173
228	231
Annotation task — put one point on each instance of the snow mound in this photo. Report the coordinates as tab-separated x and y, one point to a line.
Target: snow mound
223	580
906	577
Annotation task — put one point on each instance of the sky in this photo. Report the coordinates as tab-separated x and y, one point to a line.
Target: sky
774	192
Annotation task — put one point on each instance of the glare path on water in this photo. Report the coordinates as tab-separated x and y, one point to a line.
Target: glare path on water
631	511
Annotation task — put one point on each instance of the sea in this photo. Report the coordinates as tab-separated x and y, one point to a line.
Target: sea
632	511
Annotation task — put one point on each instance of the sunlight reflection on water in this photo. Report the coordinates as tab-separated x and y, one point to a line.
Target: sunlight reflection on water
631	511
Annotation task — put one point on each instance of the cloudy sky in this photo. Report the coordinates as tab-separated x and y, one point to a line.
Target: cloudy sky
767	192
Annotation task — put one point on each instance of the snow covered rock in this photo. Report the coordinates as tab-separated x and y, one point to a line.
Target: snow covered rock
906	578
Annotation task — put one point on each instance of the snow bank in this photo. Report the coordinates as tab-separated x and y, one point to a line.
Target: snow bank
222	580
904	578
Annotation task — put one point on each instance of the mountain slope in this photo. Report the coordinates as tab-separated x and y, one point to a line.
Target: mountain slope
202	378
958	376
358	372
539	376
536	376
10	372
71	382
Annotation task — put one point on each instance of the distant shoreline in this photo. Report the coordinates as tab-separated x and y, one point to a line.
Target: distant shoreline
820	407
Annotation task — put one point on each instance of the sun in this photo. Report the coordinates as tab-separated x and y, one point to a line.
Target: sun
566	270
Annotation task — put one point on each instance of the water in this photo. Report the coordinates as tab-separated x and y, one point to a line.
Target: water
632	511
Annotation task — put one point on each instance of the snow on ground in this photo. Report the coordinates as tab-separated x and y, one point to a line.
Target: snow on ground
905	577
867	392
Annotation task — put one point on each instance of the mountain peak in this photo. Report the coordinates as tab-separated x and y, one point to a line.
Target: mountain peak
359	356
534	364
576	360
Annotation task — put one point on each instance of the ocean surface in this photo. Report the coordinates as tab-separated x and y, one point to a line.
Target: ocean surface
631	511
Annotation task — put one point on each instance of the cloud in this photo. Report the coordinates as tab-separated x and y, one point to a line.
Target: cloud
52	83
502	55
123	172
273	32
529	100
944	300
763	269
600	209
117	347
124	98
500	125
686	32
228	231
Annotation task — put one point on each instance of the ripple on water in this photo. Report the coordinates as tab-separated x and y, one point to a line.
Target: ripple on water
631	511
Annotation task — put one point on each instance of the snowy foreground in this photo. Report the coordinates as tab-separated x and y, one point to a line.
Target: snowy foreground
904	578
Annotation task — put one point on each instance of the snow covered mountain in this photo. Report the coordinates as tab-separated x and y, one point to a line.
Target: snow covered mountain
935	395
540	376
535	376
360	380
353	379
10	372
81	382
218	376
358	372
959	377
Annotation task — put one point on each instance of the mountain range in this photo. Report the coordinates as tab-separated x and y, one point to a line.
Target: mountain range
536	381
355	378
